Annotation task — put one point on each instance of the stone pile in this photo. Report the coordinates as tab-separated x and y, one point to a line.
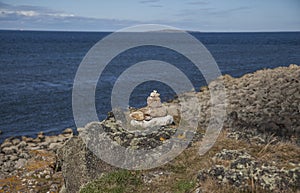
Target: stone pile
154	114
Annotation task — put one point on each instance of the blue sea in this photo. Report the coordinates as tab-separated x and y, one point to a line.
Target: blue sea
37	71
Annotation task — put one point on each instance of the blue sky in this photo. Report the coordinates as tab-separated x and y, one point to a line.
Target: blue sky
198	15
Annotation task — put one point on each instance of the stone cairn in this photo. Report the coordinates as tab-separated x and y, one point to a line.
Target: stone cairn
154	114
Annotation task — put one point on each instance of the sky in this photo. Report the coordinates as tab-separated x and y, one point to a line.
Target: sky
111	15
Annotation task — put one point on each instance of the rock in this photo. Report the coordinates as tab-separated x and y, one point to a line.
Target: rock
50	139
68	131
22	144
13	157
240	167
63	189
55	146
153	110
44	145
10	150
80	165
8	166
158	112
20	163
6	144
80	129
15	141
137	115
41	136
158	121
24	155
173	109
27	139
153	101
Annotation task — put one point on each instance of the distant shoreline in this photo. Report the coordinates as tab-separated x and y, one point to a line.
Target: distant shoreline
108	31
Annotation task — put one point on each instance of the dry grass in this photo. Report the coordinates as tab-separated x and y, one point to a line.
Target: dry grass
11	183
186	166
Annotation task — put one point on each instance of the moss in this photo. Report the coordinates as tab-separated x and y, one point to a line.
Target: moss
116	182
183	186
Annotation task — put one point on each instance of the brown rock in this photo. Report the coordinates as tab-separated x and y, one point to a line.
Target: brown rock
68	131
137	115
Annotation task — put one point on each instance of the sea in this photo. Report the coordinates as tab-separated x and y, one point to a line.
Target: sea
37	71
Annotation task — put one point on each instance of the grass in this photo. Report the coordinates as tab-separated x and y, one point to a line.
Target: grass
183	186
115	182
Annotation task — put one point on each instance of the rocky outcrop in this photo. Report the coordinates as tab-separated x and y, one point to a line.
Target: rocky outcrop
267	101
243	171
80	165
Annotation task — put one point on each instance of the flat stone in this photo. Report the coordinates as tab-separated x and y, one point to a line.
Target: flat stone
10	150
137	115
158	121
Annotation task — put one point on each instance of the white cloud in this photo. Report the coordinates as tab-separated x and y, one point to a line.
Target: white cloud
35	17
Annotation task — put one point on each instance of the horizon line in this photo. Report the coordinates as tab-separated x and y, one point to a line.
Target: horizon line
111	31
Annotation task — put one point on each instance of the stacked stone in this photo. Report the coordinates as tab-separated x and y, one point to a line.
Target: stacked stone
154	114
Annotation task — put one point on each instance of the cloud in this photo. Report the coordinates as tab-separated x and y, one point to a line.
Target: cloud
230	11
208	12
35	17
7	10
149	1
198	3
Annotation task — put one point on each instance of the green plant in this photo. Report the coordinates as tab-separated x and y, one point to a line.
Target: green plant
115	182
183	186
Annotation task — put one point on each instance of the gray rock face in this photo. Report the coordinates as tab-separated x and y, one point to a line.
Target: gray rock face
266	101
79	164
243	167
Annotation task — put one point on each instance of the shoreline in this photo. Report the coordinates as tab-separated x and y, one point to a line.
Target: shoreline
263	110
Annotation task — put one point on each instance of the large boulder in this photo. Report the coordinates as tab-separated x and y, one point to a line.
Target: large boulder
79	164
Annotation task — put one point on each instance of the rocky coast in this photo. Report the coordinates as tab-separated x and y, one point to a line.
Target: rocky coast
258	149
